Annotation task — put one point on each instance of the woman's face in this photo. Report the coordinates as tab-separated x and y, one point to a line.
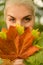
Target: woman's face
21	15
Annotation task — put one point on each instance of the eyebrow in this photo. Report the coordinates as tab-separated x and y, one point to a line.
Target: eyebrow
27	16
23	17
12	16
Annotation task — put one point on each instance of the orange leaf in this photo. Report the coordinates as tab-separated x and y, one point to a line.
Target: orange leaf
17	46
16	42
30	51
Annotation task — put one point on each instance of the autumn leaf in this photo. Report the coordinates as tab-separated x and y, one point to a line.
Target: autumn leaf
17	46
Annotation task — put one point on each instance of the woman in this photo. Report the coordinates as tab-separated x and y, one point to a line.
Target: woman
19	12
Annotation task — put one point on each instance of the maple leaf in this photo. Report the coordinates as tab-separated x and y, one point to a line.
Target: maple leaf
17	46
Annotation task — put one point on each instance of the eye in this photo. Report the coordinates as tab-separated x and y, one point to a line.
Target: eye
26	19
12	20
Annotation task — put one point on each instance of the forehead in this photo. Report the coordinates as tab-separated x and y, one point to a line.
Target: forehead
19	10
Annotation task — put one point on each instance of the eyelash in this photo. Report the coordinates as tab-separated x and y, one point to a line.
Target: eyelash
12	19
27	19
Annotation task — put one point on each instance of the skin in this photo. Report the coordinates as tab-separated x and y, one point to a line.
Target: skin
20	15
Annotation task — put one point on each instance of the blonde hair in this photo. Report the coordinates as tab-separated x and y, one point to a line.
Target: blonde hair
28	3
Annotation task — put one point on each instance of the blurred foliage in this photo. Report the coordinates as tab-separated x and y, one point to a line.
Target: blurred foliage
38	26
2	23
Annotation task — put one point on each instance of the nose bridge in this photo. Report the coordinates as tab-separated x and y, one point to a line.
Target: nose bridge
18	22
